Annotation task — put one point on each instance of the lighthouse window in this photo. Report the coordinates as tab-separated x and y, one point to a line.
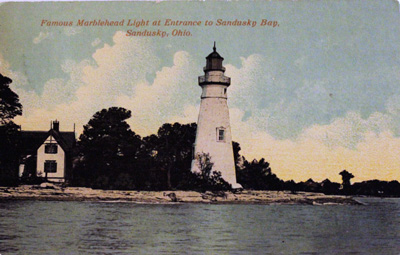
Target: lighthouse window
221	134
224	91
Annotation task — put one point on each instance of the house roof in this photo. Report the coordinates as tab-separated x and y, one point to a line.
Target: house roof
32	140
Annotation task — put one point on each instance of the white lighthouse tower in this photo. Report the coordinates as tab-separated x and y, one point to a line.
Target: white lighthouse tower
213	135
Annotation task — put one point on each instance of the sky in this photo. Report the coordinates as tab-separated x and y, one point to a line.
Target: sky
316	94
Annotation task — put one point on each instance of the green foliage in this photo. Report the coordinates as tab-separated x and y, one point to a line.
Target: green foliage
236	155
111	156
376	188
9	133
9	101
107	148
207	179
9	151
124	181
257	175
205	165
346	176
169	155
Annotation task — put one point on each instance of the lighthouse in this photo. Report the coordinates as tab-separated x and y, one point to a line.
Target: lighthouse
213	135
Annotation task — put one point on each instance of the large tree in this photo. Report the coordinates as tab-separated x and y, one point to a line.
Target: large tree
9	131
346	177
109	151
170	152
257	175
9	101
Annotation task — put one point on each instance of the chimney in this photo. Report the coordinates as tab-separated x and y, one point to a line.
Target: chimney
56	126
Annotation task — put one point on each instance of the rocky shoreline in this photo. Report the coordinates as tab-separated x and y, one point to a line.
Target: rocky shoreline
50	192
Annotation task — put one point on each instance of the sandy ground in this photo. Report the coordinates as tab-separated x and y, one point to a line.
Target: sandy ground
56	193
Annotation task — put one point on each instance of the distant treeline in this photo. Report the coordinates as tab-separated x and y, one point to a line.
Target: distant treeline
365	188
258	175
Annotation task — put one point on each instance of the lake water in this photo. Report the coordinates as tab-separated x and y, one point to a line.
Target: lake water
49	227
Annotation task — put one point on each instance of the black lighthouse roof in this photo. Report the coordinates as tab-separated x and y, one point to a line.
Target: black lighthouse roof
214	54
214	61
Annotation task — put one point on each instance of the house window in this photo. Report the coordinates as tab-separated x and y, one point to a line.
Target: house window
50	148
50	166
220	134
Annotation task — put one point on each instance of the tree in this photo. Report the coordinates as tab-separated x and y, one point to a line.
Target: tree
329	187
9	133
346	176
109	150
169	154
9	101
9	153
207	179
239	160
257	175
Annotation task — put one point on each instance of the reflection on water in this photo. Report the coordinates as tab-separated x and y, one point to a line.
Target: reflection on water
48	227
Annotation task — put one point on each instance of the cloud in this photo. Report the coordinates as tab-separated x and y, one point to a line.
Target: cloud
55	92
71	31
19	81
286	105
189	115
305	130
42	36
173	89
118	75
96	42
313	155
350	130
4	67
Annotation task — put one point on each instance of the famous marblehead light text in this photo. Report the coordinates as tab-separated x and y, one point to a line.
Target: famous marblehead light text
213	135
167	23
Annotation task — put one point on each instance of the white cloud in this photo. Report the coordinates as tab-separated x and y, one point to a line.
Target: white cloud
349	131
96	42
364	146
154	104
252	82
313	155
285	105
55	91
71	31
42	36
189	115
117	76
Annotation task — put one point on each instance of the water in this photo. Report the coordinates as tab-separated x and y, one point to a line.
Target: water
49	227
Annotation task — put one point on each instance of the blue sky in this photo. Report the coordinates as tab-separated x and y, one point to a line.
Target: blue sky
315	95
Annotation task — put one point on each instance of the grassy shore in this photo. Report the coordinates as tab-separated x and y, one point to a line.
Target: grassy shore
55	193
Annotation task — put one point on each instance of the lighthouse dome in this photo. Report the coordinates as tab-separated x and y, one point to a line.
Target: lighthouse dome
214	61
214	54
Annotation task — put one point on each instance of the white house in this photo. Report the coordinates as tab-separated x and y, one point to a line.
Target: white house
46	153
